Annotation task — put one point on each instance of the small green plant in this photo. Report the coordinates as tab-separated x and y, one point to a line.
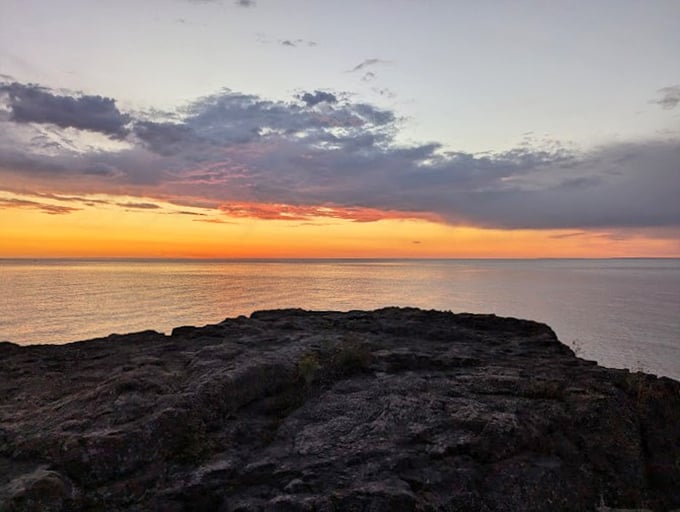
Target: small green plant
352	357
307	368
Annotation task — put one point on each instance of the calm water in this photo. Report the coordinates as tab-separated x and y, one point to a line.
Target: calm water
622	313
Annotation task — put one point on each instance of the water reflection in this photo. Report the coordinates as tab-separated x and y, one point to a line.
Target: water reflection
624	313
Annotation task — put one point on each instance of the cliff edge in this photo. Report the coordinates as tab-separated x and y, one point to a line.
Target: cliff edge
394	409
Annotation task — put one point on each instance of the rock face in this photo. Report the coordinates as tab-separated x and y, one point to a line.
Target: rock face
395	409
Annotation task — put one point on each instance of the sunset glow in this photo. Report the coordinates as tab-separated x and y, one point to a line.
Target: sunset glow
109	226
224	129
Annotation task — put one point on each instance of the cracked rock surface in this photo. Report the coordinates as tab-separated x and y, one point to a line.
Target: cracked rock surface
394	409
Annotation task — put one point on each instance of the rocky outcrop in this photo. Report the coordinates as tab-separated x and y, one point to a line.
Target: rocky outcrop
395	409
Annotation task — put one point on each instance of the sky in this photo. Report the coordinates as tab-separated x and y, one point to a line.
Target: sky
316	128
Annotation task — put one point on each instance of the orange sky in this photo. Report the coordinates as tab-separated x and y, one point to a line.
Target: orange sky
123	226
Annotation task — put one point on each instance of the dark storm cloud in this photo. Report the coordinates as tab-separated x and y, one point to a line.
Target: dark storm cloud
238	149
317	97
670	97
33	104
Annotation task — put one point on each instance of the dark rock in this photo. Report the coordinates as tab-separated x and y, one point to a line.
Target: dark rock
396	409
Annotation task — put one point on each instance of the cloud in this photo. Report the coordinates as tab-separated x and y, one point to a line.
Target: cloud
76	199
327	155
33	104
215	221
573	234
317	97
139	206
670	97
265	211
245	3
294	43
50	209
384	92
185	212
162	138
367	63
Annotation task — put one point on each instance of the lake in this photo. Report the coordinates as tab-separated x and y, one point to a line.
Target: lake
620	312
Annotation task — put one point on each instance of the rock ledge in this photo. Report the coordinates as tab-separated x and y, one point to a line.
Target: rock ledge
394	409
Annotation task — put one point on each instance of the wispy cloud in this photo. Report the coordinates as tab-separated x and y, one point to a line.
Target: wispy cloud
290	43
321	154
78	199
50	209
367	63
294	43
273	211
184	212
139	206
573	234
669	97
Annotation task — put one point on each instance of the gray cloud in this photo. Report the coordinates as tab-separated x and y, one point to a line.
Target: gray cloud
327	150
34	104
367	63
627	185
163	138
294	43
139	206
574	234
50	209
245	3
317	97
185	212
383	91
68	199
670	97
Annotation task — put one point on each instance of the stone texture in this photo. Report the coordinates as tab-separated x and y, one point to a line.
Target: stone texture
395	409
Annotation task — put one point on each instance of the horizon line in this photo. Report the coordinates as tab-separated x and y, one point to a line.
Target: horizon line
329	258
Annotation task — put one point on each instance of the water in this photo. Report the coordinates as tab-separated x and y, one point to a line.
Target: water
622	313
